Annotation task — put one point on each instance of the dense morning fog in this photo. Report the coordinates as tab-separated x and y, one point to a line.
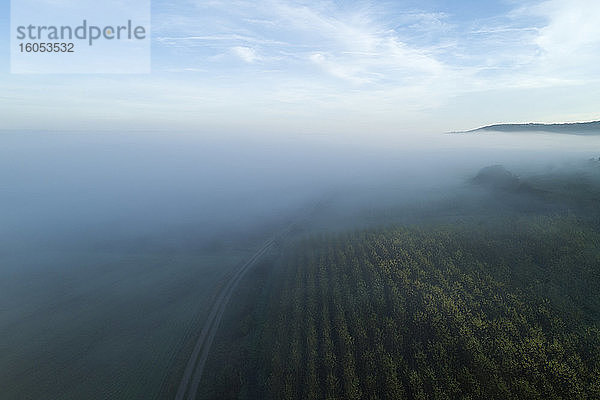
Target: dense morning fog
65	189
117	247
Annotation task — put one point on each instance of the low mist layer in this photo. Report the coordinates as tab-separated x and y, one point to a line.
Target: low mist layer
113	245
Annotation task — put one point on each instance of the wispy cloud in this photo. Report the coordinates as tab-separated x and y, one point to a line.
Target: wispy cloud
569	41
247	54
359	43
229	38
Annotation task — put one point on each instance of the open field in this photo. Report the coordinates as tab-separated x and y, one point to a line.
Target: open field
487	295
100	325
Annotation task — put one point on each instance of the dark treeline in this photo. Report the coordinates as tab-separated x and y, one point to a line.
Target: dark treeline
504	310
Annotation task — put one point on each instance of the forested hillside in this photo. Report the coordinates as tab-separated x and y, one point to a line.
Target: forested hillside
577	128
479	310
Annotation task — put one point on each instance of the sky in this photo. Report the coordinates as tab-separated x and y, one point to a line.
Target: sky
361	69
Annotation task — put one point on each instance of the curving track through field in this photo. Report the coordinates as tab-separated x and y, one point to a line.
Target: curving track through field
188	387
190	381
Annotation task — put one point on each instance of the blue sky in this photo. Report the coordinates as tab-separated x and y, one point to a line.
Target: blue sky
360	68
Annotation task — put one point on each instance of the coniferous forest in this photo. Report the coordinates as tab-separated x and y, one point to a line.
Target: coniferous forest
502	307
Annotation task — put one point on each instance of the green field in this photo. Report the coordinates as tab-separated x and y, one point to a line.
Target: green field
494	298
104	325
487	291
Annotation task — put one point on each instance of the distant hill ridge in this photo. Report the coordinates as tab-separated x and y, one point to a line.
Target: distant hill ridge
575	128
